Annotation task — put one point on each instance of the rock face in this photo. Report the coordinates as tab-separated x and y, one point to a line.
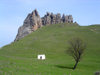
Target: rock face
51	18
33	22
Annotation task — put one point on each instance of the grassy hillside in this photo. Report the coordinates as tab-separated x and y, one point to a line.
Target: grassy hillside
20	58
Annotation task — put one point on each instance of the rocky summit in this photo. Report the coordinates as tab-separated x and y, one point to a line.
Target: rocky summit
51	18
33	21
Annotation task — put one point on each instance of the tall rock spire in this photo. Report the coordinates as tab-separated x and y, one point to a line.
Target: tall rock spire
31	23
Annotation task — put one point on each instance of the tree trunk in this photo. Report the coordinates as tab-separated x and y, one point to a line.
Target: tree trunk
75	66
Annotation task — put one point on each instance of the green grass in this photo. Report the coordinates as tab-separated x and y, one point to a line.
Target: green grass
20	58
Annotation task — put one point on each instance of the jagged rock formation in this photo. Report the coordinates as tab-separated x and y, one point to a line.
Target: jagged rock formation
51	18
33	22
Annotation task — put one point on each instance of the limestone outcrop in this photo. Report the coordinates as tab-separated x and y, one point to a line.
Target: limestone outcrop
33	22
51	18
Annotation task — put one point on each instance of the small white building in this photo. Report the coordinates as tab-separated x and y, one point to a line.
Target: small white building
41	57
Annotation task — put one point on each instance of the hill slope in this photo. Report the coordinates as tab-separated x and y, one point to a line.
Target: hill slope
20	58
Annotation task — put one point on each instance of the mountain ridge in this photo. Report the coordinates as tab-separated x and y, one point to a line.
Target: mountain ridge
33	21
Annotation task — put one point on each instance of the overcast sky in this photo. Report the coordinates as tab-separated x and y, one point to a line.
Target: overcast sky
13	13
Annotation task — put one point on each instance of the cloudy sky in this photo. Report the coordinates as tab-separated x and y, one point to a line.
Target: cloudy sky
13	13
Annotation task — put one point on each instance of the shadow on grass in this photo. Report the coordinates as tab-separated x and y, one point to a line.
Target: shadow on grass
64	67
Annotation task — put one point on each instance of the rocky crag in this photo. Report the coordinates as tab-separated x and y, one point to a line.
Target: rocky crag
33	21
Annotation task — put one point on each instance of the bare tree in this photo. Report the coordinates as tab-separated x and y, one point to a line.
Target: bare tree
76	49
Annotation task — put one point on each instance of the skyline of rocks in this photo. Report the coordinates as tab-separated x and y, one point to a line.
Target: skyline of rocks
51	18
33	21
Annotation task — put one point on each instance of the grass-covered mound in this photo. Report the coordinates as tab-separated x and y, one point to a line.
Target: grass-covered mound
20	58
